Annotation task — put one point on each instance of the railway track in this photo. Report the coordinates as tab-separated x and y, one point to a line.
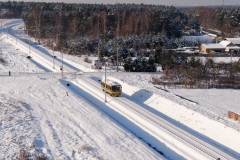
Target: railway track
197	144
207	150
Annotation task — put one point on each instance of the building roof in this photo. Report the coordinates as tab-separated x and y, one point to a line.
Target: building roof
235	41
213	46
225	43
234	48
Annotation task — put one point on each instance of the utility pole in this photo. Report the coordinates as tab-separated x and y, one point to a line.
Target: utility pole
118	28
105	81
98	34
231	70
29	50
1	23
62	69
53	59
62	65
98	48
104	34
59	38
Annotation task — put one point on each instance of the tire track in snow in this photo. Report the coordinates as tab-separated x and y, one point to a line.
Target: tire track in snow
74	130
19	130
53	138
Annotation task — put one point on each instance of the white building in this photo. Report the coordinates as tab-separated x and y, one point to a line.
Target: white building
227	45
234	41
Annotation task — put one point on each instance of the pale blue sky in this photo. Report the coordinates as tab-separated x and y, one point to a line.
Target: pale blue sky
165	2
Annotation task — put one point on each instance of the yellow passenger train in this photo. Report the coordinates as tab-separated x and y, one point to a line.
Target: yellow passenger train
112	88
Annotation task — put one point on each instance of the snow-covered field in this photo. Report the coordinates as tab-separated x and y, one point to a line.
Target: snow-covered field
19	128
220	59
213	103
37	109
219	100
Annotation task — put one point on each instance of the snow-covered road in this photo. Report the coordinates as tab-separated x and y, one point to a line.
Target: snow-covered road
13	30
14	60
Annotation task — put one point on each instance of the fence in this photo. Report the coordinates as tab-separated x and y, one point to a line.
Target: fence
202	84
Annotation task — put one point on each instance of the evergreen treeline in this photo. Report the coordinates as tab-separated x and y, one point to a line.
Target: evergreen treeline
225	19
68	22
136	30
71	21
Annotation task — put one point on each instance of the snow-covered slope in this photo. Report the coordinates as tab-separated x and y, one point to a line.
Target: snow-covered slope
66	126
220	100
19	129
212	103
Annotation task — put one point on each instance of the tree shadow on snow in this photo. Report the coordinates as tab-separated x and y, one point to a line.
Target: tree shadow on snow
140	96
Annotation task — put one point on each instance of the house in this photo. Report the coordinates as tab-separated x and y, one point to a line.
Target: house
232	45
227	45
212	32
212	47
234	41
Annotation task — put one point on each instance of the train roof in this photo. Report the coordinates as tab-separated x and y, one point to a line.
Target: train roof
111	82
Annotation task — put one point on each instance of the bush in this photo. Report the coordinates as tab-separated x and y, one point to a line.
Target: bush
236	67
140	65
86	59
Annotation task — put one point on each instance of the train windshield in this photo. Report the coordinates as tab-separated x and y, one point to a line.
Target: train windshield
116	88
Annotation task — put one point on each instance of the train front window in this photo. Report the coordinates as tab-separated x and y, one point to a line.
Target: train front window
116	88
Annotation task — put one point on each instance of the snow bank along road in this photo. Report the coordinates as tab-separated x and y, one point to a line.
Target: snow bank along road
172	141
